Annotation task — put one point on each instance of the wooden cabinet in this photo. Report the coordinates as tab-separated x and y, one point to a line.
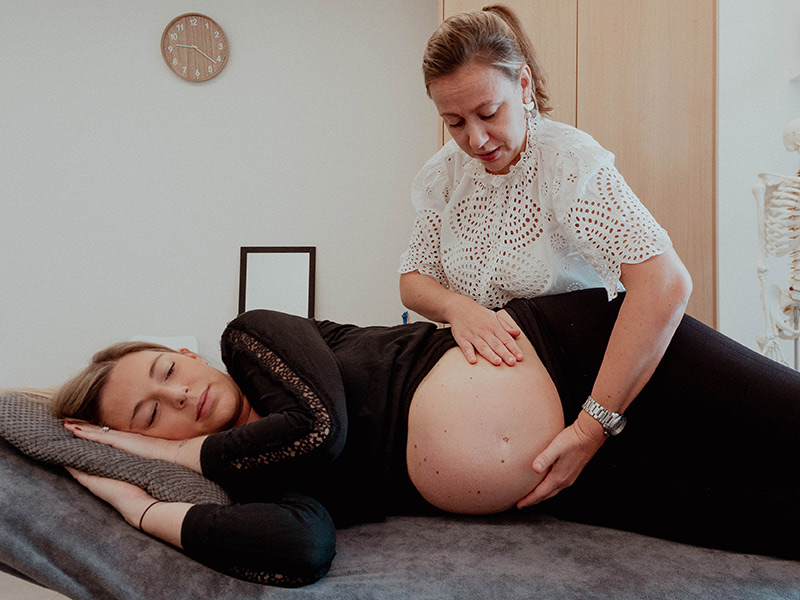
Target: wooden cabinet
640	77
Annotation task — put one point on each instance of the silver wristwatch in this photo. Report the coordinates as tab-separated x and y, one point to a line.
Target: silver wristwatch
612	422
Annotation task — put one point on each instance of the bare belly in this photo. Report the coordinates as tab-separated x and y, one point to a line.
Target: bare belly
474	430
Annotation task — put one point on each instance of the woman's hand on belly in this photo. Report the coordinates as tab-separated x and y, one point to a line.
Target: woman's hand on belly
564	459
478	329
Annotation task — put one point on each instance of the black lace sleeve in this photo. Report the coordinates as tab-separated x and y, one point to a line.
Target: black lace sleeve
290	376
289	542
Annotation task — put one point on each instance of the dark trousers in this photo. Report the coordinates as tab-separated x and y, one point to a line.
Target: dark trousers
710	452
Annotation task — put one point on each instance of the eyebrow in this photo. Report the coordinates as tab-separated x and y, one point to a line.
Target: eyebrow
151	374
476	109
153	365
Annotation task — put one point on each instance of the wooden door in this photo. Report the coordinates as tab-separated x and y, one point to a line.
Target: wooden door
646	91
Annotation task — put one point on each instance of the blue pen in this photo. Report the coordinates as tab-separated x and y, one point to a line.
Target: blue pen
405	318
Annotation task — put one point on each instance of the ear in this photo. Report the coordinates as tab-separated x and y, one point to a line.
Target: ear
190	354
526	82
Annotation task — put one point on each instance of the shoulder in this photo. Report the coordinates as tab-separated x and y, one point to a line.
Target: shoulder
266	321
279	341
440	169
562	145
268	329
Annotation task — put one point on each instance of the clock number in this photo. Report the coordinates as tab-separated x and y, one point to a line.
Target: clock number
221	47
173	37
175	62
179	26
216	34
170	49
210	69
193	21
197	73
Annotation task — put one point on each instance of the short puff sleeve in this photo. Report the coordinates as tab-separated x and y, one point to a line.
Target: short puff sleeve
430	194
599	212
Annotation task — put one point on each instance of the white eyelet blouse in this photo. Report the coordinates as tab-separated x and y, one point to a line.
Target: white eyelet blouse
562	219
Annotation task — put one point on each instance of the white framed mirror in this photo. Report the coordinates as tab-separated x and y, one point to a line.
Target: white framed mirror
278	278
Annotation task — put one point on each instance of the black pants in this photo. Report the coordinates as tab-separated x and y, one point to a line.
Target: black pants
710	452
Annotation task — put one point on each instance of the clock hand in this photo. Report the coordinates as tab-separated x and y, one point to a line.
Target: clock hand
206	55
198	49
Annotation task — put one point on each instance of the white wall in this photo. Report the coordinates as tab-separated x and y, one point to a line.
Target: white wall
759	53
125	192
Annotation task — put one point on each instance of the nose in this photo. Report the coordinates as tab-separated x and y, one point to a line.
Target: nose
477	135
177	396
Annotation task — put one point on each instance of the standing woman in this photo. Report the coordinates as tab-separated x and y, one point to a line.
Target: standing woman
517	206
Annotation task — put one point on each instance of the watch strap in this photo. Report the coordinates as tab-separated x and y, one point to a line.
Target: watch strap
612	422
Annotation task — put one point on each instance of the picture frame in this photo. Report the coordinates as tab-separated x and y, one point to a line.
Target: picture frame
278	278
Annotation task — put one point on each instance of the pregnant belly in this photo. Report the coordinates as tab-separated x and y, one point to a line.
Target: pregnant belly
474	430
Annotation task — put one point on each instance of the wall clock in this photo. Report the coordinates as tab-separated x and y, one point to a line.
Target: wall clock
194	47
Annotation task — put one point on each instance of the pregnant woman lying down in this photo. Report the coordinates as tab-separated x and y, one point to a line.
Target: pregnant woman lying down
317	420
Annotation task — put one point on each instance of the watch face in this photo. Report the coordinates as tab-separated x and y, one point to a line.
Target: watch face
194	47
618	425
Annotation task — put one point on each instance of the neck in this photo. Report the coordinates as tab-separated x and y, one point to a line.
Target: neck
244	414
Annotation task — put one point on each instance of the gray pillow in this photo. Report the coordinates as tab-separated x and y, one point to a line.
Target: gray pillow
27	423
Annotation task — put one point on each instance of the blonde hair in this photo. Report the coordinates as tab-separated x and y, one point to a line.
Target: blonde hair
79	398
38	395
491	36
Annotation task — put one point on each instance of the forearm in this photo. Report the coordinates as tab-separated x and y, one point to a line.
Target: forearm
182	452
187	453
429	298
648	317
655	301
163	520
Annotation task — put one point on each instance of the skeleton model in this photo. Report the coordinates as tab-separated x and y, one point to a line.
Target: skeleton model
778	203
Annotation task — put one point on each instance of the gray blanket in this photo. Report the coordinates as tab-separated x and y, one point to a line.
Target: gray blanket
55	533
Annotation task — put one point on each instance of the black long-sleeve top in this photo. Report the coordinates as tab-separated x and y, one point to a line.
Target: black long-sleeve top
334	405
335	401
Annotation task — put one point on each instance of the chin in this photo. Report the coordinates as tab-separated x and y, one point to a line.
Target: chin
499	170
236	415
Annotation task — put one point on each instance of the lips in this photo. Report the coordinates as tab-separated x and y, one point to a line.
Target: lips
489	156
203	404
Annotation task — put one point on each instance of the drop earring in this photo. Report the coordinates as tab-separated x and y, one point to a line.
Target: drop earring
530	107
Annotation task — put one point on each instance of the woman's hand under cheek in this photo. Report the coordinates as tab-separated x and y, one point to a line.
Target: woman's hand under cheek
135	443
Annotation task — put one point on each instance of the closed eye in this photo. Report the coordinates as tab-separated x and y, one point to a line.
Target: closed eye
154	415
170	371
488	117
